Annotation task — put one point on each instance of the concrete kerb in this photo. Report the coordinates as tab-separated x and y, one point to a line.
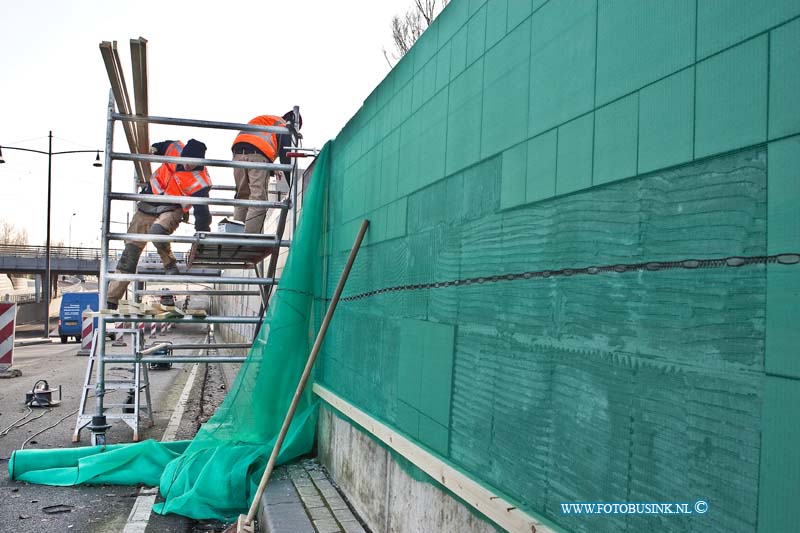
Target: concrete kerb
30	342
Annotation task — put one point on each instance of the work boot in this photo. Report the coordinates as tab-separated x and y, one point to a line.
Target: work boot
172	269
111	306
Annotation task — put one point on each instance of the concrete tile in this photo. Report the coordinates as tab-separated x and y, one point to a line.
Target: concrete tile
344	515
512	186
280	491
780	463
615	140
307	490
324	484
720	25
562	84
327	526
731	99
575	155
337	504
320	513
352	526
285	518
635	47
540	180
314	501
666	118
784	80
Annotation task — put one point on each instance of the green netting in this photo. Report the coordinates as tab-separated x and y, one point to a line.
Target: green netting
572	277
216	474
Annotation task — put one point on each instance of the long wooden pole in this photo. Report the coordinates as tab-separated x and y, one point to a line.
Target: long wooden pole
306	373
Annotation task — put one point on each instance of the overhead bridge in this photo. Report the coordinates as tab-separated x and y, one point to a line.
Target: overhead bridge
63	259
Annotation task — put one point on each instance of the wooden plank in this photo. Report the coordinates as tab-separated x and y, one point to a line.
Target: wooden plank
140	96
488	502
115	77
138	164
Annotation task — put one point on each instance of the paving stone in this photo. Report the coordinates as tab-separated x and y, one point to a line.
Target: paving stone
280	491
352	526
327	526
286	518
301	498
343	515
336	503
315	501
324	484
306	493
320	513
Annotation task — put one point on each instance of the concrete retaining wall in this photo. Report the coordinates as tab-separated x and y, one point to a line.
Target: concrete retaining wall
383	494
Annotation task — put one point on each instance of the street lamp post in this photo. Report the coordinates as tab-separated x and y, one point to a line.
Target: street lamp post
49	153
70	230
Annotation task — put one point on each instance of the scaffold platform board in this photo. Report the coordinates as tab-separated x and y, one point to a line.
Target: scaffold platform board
228	255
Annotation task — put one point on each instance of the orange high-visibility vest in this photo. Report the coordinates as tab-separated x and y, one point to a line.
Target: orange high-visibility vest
266	142
191	181
161	179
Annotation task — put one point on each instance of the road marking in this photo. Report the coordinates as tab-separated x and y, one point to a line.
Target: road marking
175	420
143	506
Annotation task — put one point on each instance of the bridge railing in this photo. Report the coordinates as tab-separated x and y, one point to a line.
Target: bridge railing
67	252
18	298
88	254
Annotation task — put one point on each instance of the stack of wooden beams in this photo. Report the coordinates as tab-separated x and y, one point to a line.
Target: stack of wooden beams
136	133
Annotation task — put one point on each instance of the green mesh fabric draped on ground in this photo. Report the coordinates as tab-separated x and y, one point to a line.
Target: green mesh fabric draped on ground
216	474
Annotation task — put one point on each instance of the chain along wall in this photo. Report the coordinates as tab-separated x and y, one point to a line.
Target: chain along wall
582	262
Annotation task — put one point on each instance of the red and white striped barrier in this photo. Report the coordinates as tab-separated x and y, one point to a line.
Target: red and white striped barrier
8	321
87	332
119	338
153	329
164	328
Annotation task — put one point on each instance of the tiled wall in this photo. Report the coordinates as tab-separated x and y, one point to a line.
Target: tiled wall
519	135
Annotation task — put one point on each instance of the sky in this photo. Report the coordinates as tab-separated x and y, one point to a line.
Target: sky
228	61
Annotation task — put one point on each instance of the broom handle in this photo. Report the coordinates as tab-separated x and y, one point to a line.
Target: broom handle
306	373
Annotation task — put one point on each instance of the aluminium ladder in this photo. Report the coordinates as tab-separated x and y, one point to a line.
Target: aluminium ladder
209	249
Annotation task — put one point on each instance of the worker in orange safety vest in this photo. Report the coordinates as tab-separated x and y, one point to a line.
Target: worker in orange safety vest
187	180
164	218
259	147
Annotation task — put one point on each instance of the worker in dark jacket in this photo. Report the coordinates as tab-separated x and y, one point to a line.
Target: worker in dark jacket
157	218
258	147
191	180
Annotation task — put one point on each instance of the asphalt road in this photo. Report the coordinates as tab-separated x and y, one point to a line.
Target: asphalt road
90	508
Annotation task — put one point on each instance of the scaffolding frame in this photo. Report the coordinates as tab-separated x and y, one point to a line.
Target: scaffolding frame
264	280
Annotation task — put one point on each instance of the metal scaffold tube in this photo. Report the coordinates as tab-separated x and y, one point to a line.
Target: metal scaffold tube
167	278
200	238
178	359
171	121
177	320
121	156
198	346
103	280
201	292
195	200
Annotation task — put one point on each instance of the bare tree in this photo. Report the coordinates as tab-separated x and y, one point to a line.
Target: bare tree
407	28
9	234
